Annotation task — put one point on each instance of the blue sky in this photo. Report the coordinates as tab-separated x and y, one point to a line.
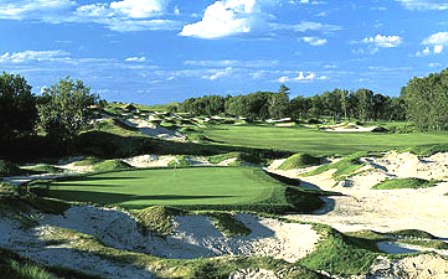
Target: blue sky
156	51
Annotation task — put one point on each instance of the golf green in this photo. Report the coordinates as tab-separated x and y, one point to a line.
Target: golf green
182	186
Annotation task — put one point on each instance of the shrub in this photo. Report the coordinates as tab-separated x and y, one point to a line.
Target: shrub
9	169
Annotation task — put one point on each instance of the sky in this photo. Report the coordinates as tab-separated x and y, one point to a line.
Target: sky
159	51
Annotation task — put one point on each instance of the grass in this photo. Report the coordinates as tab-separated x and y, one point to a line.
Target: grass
240	158
317	143
228	225
343	168
43	168
111	165
341	254
298	161
181	161
156	219
14	266
216	188
405	183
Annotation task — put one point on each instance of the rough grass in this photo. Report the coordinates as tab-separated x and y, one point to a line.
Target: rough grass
156	219
181	161
13	266
341	254
9	169
298	161
88	161
405	183
111	165
240	157
426	243
43	168
228	225
343	168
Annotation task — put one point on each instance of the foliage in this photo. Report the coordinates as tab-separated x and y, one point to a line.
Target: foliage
427	101
405	183
9	169
18	112
64	109
111	165
298	161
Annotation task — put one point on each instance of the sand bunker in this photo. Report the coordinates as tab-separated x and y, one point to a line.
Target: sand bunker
192	236
348	128
153	130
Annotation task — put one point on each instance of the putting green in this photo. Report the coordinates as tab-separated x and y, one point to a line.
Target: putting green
185	186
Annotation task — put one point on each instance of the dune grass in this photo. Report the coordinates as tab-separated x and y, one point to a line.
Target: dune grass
156	219
298	161
228	225
240	158
225	188
405	183
317	143
343	168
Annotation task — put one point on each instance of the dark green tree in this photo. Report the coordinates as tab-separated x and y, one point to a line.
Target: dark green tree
18	113
64	109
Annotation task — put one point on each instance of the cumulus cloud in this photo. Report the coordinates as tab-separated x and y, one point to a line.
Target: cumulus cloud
306	26
226	18
140	59
314	41
302	77
139	8
435	44
424	4
31	55
383	41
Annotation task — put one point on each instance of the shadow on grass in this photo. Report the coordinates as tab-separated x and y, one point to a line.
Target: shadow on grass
112	198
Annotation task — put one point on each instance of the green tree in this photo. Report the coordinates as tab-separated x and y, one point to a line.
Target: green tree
18	113
365	97
64	109
278	103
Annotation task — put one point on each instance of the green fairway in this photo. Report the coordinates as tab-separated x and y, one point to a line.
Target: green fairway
303	140
185	187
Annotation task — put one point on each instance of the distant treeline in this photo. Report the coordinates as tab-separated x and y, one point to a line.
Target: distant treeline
423	101
362	105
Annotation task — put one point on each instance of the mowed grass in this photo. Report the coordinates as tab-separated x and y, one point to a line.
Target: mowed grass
314	142
181	187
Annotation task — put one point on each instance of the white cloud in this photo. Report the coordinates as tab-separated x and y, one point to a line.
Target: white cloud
314	41
438	49
425	52
13	9
217	74
306	26
232	63
226	18
436	41
31	55
140	59
139	8
383	41
302	77
424	4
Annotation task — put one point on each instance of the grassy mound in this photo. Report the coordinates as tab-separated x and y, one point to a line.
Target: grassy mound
340	254
405	183
9	169
240	157
88	161
427	150
44	168
111	165
156	219
298	161
344	167
228	225
181	161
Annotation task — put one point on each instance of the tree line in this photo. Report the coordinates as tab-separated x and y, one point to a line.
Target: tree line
362	105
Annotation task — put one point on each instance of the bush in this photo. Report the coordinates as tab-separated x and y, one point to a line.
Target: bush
403	183
299	161
111	165
9	169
